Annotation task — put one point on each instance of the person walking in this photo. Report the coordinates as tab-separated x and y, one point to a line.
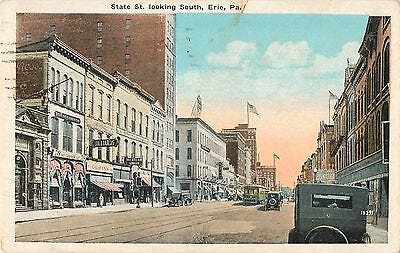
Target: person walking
101	200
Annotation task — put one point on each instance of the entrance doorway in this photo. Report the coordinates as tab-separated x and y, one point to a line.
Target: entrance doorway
21	174
67	192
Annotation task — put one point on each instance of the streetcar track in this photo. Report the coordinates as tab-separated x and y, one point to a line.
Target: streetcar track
194	217
111	223
180	228
127	223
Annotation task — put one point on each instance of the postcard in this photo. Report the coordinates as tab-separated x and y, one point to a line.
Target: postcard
200	126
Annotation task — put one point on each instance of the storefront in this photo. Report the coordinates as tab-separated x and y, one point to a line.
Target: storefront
66	180
145	189
100	188
122	177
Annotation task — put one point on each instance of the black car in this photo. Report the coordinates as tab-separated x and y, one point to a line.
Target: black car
273	201
330	213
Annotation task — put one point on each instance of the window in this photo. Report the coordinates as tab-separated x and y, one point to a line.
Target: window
79	139
177	170
147	157
140	150
108	150
99	42
133	123
189	135
126	116
189	153
127	58
127	41
65	90
81	96
128	24
332	201
128	73
77	95
99	149
52	84
162	133
177	135
99	26
117	158
126	149
133	153
54	132
140	122
100	105
67	136
108	108
147	126
158	131
70	92
118	111
91	98
99	59
386	65
91	143
189	170
28	36
57	96
176	153
154	130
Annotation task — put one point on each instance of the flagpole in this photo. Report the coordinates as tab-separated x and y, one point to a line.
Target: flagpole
248	123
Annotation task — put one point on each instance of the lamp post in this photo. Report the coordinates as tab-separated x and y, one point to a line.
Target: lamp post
151	181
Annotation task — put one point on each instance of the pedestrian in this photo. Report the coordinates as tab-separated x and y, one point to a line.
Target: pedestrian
101	200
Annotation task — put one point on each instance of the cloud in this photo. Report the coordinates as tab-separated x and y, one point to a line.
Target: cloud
236	54
287	54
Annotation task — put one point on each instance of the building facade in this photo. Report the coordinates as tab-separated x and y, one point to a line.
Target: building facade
31	159
249	134
266	176
325	172
141	47
200	159
364	158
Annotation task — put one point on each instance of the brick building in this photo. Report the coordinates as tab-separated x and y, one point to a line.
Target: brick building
141	47
362	116
266	176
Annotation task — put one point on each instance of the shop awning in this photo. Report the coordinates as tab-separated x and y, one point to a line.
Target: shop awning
173	189
146	180
107	186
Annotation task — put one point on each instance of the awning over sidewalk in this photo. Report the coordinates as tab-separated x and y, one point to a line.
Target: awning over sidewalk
173	189
146	180
107	186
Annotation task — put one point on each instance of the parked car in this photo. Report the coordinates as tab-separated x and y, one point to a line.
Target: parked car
176	199
273	200
186	198
329	213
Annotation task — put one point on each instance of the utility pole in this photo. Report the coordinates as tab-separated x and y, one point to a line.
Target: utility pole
151	181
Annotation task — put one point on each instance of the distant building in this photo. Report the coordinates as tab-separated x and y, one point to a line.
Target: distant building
266	176
325	169
249	134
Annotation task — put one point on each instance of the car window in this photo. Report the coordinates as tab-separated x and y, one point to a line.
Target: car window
332	201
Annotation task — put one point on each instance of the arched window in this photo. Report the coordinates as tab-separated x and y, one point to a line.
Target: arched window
65	90
118	111
57	88
176	153
52	84
20	161
189	170
54	132
70	92
386	64
378	130
90	143
79	139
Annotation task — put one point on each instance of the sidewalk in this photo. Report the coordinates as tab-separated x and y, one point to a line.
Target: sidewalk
56	213
378	233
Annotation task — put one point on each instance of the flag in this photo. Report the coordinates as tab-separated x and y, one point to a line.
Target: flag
276	156
251	108
332	96
197	107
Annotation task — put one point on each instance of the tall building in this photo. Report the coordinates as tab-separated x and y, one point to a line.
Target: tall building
141	47
325	172
362	118
249	134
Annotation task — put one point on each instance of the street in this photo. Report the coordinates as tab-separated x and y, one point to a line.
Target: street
207	222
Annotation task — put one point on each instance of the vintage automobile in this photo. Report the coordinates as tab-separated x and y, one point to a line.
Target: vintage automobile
186	198
329	213
180	199
273	200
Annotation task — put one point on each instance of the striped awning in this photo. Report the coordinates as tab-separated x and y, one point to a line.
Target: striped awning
107	186
146	180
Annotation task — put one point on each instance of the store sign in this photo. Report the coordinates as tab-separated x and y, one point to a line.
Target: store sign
135	161
68	155
99	166
67	117
105	143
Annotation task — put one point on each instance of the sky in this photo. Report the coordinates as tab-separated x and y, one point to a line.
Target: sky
283	64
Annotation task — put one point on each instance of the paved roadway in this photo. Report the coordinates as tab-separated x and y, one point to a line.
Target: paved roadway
211	222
